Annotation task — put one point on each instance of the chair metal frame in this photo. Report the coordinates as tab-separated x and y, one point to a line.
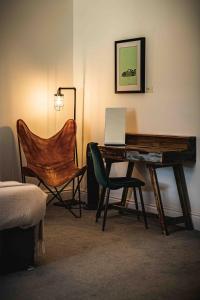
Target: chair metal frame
55	191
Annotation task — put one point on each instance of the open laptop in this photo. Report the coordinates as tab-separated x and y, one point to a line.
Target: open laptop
115	123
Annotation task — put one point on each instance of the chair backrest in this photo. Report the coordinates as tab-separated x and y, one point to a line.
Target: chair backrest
53	153
99	168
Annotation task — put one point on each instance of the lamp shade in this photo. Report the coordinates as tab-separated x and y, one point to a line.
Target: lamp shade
58	101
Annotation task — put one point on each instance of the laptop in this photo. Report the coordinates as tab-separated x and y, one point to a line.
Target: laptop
115	123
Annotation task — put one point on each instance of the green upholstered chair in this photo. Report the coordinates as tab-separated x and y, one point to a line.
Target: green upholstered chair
113	183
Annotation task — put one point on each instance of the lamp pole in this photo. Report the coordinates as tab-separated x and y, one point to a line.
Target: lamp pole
59	94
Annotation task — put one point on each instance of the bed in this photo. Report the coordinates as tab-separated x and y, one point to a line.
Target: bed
22	211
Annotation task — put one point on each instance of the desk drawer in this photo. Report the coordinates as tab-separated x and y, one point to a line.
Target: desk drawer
148	157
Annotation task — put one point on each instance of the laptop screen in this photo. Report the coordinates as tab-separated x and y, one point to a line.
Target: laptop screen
115	126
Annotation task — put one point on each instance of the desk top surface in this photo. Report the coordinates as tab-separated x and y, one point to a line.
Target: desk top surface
155	148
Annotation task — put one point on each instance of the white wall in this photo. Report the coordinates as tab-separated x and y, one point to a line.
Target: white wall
172	36
43	42
36	50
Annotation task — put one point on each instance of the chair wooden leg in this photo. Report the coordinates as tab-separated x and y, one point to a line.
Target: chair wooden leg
143	208
103	192
136	203
100	204
128	175
106	209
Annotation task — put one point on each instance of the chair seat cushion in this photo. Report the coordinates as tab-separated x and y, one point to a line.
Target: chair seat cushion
119	182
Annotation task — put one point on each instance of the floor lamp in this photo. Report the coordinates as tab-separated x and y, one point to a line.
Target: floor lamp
59	103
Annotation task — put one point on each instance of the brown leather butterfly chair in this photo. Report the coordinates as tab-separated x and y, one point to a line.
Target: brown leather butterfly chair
52	161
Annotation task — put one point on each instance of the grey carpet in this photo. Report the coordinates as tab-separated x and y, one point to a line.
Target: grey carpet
126	262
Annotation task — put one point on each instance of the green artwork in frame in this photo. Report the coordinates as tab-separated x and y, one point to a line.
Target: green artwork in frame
130	66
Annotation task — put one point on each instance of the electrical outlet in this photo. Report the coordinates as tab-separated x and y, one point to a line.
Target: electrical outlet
149	89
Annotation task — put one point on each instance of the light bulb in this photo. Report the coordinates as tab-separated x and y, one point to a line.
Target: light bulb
58	102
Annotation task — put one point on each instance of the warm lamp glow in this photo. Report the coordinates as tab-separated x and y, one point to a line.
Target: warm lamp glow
58	101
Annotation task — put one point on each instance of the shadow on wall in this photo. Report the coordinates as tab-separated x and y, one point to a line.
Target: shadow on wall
9	163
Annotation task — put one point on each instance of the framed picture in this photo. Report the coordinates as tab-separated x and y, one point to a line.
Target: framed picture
130	66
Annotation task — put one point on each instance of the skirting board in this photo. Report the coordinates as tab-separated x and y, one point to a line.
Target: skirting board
170	212
149	208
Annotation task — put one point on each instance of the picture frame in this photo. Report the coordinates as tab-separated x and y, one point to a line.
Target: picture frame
130	66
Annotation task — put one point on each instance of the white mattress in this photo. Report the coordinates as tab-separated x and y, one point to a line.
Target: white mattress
21	205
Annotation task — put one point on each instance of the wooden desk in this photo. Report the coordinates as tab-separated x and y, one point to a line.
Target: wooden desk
156	151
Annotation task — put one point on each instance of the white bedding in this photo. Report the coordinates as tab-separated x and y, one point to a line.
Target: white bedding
21	205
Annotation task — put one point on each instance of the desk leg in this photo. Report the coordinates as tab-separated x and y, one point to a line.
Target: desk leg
156	189
183	194
128	175
103	192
